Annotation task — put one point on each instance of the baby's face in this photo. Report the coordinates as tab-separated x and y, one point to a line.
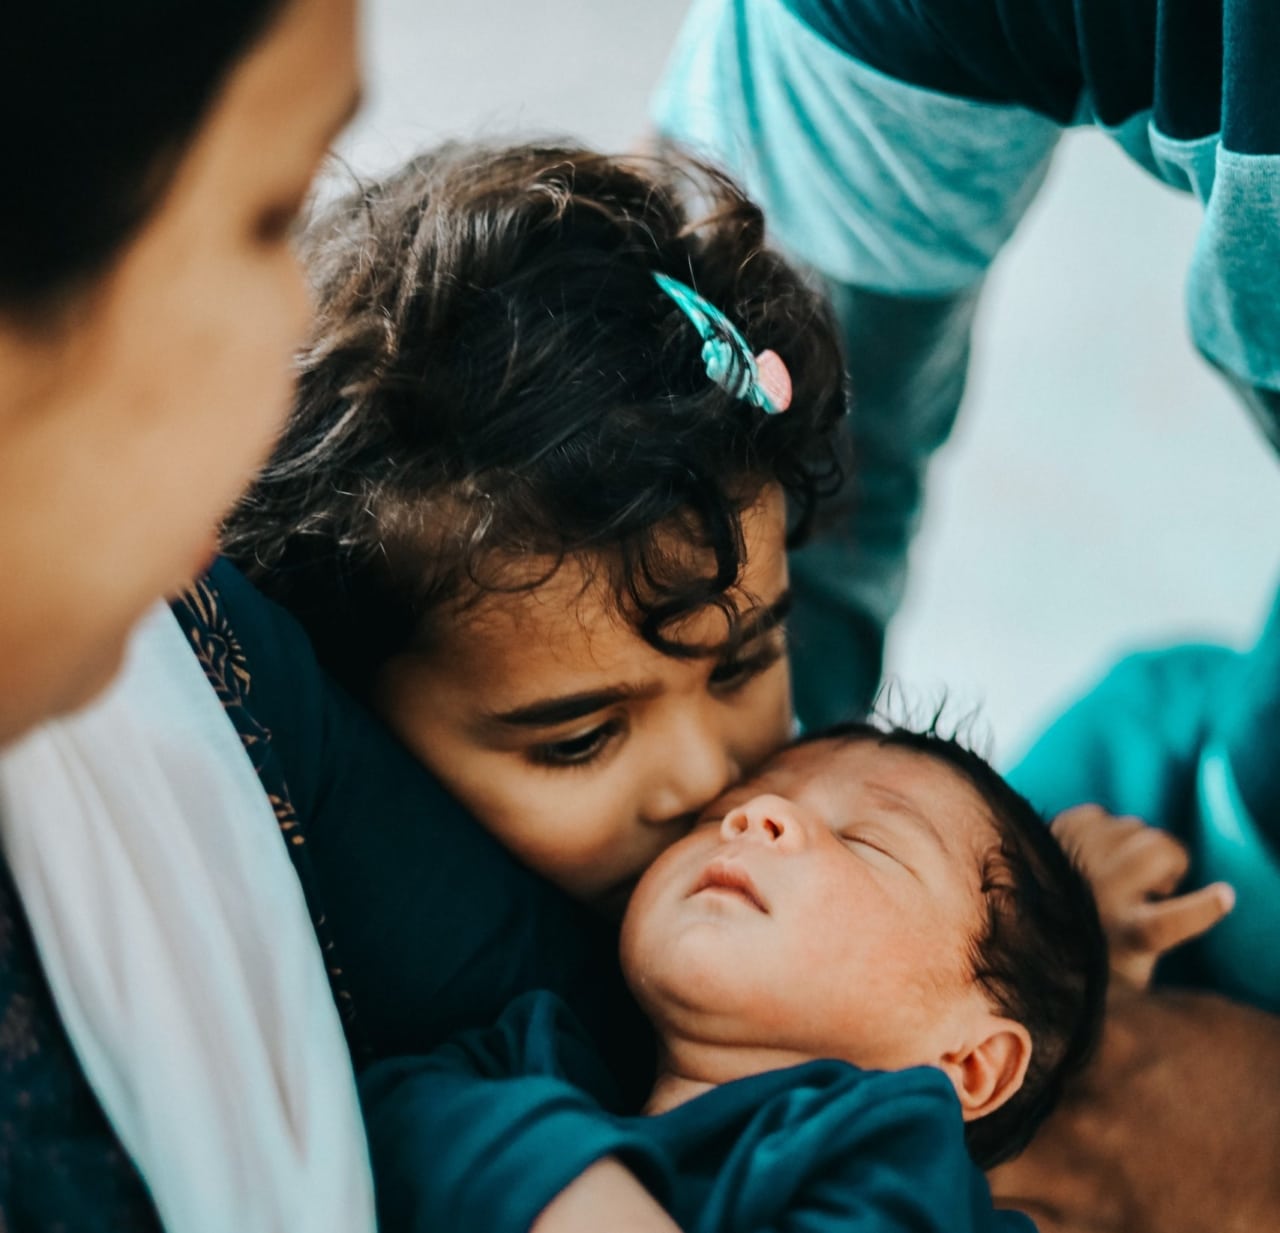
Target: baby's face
825	908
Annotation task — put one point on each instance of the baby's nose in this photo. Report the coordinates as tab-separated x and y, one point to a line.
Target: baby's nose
765	819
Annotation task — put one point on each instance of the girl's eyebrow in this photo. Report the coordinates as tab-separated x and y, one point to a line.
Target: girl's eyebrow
759	621
549	711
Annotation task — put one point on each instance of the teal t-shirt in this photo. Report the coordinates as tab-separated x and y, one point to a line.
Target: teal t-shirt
483	1133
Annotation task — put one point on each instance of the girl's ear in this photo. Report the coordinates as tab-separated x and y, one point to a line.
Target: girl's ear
989	1070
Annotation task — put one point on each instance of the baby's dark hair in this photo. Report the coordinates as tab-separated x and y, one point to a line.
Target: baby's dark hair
1040	954
495	377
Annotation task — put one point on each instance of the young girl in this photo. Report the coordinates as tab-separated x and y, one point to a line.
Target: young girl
558	420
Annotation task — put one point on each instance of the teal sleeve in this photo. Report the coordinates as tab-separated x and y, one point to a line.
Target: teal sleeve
1132	741
487	1130
877	1153
451	1151
1185	738
908	357
876	182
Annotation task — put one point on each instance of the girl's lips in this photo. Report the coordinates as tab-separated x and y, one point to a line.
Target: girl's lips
722	875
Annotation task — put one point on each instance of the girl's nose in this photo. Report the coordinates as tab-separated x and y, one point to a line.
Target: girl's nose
699	767
766	819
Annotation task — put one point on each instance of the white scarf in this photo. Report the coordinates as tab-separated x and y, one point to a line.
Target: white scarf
176	940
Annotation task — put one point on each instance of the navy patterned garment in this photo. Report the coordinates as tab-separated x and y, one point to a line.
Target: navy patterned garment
61	1166
426	924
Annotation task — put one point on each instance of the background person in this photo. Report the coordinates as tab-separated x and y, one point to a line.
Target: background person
896	150
149	304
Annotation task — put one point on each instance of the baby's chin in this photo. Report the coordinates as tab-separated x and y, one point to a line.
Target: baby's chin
680	977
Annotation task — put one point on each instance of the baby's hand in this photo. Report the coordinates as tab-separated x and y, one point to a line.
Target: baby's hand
1134	870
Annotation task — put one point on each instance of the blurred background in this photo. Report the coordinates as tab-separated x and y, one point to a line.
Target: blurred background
1102	492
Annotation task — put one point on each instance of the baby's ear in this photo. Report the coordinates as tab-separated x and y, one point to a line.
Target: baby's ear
990	1069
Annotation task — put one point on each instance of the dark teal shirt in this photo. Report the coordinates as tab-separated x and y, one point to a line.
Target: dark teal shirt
485	1132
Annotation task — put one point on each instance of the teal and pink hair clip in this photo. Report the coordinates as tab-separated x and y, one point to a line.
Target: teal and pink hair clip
762	380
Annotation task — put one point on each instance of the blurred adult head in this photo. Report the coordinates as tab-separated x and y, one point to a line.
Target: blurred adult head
155	157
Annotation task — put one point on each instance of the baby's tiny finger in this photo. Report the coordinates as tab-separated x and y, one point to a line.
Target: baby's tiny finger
1148	862
1168	923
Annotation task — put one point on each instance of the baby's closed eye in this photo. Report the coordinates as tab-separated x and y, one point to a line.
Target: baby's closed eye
871	842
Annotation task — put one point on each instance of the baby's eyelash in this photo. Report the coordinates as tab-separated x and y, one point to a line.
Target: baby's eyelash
862	839
874	846
852	837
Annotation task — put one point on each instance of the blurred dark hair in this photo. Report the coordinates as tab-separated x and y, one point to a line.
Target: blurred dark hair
99	101
495	377
1041	954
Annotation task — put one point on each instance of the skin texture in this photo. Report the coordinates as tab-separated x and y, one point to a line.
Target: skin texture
130	424
606	1196
824	910
590	801
1173	1129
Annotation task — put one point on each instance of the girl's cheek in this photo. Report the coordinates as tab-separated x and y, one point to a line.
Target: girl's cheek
767	725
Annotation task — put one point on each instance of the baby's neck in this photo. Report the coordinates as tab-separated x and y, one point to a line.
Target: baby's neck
690	1068
671	1090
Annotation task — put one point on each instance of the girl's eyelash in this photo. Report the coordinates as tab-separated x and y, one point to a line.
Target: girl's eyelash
583	749
575	751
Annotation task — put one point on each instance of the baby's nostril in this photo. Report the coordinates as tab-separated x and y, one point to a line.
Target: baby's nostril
775	831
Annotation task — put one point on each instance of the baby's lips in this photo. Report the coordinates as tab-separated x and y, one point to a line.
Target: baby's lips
730	876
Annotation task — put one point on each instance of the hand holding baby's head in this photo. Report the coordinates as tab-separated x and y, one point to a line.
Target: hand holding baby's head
884	898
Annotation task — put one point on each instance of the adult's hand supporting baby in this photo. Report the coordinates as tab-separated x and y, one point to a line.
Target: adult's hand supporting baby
1172	1129
1134	870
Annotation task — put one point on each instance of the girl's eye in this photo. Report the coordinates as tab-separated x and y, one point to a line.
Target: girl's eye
578	750
735	673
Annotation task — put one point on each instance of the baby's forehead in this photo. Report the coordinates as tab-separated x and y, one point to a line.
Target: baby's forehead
834	774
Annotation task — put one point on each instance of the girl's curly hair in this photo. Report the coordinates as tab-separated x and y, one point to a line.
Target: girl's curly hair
494	375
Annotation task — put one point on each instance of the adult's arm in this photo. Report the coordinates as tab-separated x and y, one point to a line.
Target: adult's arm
898	181
1174	1128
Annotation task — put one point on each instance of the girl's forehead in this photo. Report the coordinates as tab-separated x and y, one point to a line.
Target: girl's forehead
584	608
564	637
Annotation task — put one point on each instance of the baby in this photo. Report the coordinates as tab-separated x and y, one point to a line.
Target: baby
866	959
